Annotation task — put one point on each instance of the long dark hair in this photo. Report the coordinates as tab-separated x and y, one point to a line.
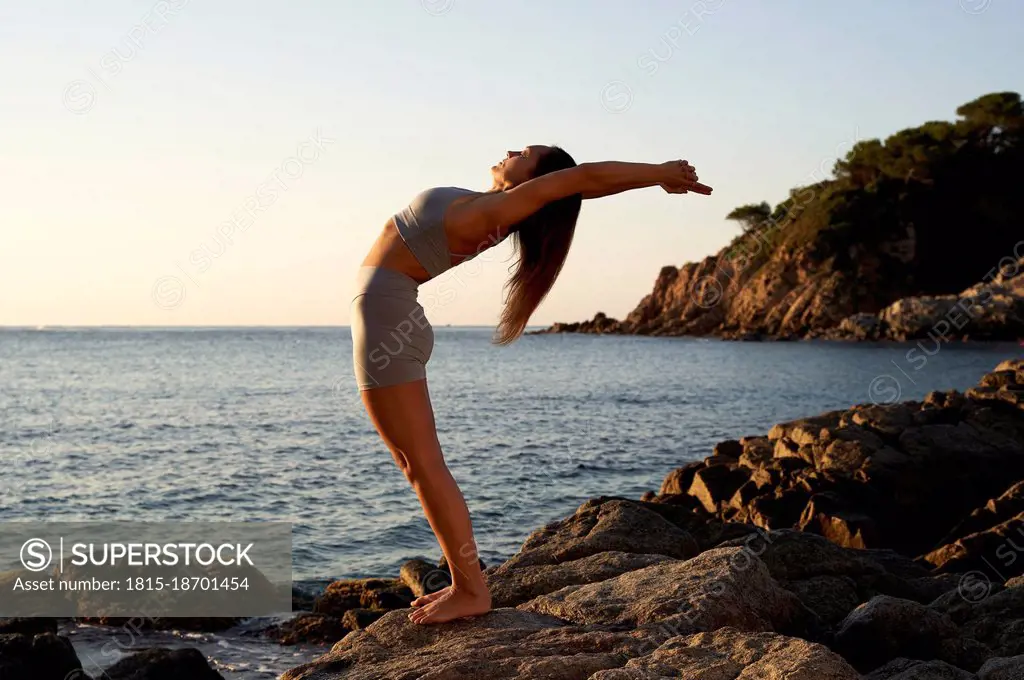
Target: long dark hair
542	243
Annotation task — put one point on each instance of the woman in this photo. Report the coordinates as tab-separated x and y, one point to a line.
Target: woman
536	199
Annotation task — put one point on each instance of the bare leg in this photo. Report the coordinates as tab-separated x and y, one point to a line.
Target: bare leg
404	418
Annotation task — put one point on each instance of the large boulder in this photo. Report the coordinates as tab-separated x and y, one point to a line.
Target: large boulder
38	657
720	587
887	628
914	317
159	663
619	525
511	586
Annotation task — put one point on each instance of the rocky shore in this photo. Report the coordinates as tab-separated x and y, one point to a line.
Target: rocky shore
879	542
706	300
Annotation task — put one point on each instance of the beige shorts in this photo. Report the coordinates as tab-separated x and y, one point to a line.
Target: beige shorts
391	338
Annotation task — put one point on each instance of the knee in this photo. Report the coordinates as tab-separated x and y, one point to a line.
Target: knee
423	469
402	462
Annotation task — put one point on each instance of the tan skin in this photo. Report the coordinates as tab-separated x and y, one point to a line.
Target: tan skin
403	415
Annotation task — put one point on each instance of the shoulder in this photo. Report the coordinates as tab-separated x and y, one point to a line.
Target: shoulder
519	202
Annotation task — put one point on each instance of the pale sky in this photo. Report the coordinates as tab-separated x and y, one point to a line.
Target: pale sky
132	132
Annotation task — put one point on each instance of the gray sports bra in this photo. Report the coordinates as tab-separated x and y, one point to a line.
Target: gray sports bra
421	226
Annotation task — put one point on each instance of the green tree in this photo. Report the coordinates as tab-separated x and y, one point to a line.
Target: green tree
752	215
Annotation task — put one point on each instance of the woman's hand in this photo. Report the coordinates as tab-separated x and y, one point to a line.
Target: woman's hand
681	178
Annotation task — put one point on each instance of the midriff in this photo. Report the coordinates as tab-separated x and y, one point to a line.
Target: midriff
390	252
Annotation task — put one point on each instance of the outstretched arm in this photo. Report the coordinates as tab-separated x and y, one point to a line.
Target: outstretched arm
614	177
591	180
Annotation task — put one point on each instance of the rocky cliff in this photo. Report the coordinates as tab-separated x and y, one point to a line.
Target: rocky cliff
907	229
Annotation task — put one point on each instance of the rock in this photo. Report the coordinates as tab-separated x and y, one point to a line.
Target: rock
914	317
368	593
714	486
308	628
908	669
720	587
357	619
805	430
1002	669
780	510
886	628
831	598
792	555
1009	504
898	476
706	530
678	481
303	600
618	525
756	452
501	644
861	326
28	625
729	449
1002	545
524	646
845	449
746	493
831	580
996	620
824	516
1012	365
999	378
423	578
40	657
512	585
732	653
160	663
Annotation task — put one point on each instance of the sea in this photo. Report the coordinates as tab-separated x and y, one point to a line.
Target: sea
266	424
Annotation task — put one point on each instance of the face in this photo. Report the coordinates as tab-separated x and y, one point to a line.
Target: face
517	167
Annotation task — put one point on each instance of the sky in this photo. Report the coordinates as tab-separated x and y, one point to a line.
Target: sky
230	163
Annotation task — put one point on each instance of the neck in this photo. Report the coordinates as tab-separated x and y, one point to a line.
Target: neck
500	185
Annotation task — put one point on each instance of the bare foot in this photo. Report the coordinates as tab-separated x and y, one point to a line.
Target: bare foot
456	604
427	599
